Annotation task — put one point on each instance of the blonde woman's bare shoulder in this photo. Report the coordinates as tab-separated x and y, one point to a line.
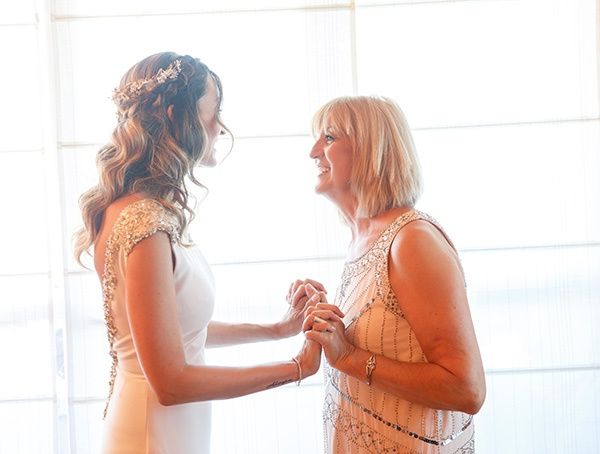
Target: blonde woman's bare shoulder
418	236
420	244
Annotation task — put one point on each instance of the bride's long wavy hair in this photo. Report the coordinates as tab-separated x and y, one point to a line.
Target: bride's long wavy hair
152	150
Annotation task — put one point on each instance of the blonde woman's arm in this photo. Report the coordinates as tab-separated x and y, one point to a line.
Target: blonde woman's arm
424	270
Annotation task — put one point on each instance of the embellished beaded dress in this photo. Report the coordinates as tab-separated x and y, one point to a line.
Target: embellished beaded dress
135	422
359	418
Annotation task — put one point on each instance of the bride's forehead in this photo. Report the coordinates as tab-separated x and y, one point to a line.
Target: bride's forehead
211	88
210	96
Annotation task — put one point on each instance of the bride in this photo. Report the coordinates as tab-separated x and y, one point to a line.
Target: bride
158	291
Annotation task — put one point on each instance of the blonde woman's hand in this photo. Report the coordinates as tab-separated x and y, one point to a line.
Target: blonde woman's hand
324	324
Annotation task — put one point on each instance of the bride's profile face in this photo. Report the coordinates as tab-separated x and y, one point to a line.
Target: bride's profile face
208	107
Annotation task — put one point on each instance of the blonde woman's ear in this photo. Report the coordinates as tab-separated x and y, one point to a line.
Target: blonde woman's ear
170	112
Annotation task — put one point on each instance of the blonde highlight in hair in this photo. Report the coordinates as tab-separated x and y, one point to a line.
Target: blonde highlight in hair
385	171
152	150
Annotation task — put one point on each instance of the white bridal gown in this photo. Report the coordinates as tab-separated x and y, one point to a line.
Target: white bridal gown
135	421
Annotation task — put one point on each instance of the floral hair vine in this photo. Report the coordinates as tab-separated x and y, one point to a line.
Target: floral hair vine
134	89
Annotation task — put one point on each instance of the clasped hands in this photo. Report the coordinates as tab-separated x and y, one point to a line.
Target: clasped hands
322	322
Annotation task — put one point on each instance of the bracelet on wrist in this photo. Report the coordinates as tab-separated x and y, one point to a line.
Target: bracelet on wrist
369	368
299	371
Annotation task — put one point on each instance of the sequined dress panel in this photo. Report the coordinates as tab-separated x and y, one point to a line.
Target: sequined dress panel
135	421
359	418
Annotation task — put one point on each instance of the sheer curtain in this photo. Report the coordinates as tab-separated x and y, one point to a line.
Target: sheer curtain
503	99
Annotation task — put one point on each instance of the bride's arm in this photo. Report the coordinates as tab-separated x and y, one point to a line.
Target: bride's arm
152	314
221	334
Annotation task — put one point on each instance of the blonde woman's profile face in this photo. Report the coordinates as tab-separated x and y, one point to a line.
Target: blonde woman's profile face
208	107
332	153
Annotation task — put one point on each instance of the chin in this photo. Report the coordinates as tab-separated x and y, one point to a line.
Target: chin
209	163
209	160
320	189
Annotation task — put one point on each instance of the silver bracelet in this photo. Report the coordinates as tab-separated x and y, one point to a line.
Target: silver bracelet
299	371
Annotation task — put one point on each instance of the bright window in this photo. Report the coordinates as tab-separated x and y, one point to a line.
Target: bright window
503	97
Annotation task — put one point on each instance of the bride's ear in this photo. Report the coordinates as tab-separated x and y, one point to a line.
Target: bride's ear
170	112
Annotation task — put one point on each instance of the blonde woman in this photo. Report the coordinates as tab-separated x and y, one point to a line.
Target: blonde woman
158	290
404	371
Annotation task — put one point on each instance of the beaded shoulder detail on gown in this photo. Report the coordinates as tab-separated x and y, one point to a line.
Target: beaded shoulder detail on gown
137	221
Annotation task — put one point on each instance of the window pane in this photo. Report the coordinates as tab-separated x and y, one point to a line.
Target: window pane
513	185
535	308
17	12
27	427
21	116
548	413
454	63
23	234
265	92
287	420
87	426
25	325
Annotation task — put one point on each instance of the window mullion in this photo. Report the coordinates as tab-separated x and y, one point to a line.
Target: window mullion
56	238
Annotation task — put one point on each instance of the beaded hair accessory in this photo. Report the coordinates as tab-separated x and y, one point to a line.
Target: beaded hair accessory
133	89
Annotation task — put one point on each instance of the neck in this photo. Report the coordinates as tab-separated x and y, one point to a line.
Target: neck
365	227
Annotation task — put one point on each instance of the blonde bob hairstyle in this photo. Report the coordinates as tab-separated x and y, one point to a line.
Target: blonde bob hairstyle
385	171
157	142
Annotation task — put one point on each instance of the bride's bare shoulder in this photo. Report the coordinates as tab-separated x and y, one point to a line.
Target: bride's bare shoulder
111	214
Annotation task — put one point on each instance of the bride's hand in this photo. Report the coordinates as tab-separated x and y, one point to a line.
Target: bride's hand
298	300
309	358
